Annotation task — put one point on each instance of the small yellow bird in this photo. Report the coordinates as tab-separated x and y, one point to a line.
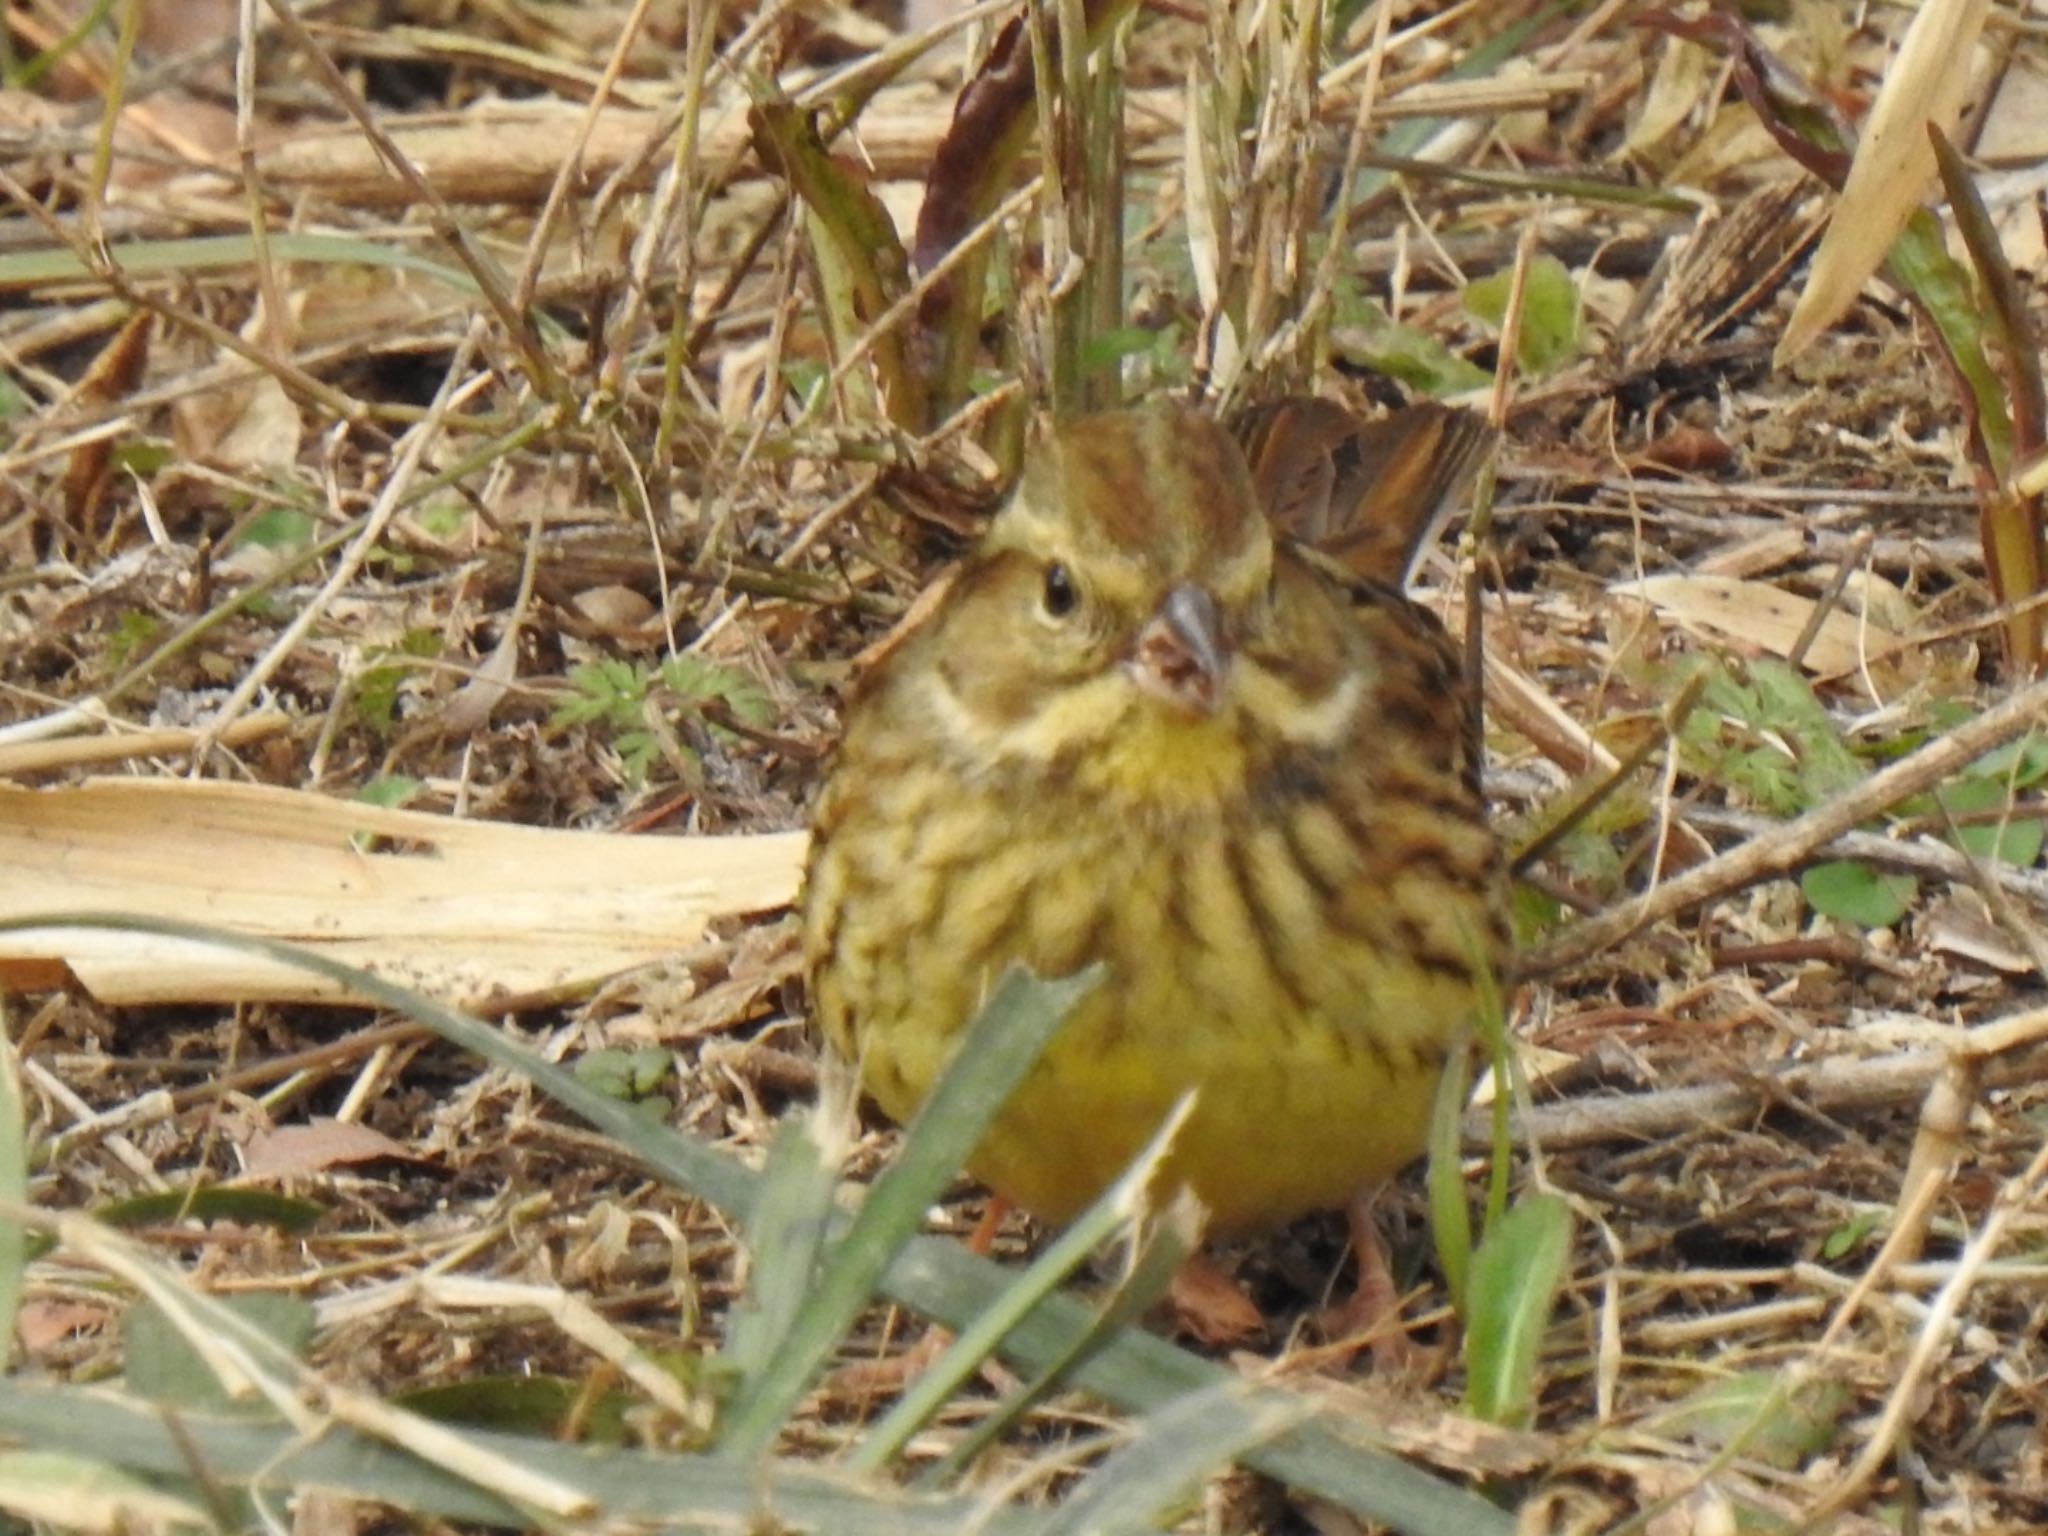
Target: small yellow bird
1142	729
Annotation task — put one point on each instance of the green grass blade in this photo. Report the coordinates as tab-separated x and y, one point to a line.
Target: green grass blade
991	1058
665	1488
784	1238
1166	1247
1169	1458
1450	1219
978	1340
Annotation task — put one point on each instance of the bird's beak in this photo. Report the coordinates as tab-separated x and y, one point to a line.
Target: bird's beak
1180	654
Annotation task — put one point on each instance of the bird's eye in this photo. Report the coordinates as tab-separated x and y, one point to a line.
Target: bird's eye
1061	595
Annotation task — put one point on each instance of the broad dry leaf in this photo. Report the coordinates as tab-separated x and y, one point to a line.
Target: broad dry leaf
1893	165
1754	614
264	432
43	1323
462	910
286	1150
2015	131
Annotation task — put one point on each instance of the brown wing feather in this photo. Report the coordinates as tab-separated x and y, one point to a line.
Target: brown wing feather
1372	495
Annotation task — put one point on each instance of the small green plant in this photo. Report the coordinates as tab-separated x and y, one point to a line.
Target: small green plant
134	633
281	530
1364	335
632	701
1504	1286
634	1077
1763	734
1550	333
377	688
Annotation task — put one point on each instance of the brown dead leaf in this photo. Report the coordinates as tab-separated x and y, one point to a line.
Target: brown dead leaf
113	376
297	1149
244	426
41	1324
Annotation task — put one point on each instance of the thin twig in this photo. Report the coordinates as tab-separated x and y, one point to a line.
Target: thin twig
1831	1084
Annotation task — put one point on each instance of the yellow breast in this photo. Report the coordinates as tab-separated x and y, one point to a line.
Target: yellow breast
1269	959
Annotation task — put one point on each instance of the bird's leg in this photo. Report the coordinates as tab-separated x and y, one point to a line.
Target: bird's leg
983	1237
1371	1316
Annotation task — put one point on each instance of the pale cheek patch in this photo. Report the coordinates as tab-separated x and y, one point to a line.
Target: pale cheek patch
1074	713
1319	725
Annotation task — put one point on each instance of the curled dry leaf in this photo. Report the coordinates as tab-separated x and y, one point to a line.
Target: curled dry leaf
1893	165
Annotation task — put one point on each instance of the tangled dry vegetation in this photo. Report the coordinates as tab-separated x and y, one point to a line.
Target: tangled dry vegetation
518	465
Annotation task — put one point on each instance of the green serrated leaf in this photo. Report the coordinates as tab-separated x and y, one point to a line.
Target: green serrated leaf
1766	735
609	690
1787	705
696	679
1855	893
626	1075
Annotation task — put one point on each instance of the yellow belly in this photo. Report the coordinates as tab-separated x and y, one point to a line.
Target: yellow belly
1299	1126
1307	998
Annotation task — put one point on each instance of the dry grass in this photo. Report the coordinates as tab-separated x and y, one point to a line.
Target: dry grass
526	391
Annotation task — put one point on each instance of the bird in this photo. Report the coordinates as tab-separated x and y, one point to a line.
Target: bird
1148	726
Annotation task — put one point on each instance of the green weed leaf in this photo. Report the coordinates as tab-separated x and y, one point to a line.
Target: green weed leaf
1856	893
1515	1277
1550	312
